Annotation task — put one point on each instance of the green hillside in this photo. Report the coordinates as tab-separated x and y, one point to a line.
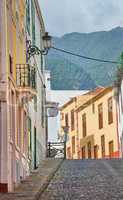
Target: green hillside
69	72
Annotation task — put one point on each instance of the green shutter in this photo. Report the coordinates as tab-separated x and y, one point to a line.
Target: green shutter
41	54
28	16
33	21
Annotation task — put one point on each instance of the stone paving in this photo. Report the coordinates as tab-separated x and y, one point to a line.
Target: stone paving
87	180
35	184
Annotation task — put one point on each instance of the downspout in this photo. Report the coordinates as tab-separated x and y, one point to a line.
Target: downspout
118	139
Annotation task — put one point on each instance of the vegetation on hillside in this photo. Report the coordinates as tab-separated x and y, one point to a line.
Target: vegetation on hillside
70	72
119	74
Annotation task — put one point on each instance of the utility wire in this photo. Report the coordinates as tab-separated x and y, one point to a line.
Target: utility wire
86	57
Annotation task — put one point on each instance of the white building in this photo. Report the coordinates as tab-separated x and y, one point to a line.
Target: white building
120	115
60	97
37	114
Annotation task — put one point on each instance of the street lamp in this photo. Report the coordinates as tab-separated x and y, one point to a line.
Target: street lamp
34	50
47	40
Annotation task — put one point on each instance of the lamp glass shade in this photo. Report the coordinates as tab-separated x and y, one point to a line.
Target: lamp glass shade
47	41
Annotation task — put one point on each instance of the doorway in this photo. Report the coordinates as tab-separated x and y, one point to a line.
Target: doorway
95	152
83	152
103	146
35	148
111	149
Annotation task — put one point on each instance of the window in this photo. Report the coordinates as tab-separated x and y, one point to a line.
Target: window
72	120
10	64
73	145
110	111
66	120
100	115
84	125
103	146
89	149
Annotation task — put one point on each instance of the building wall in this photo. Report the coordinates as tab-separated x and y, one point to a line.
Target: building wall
71	133
3	98
93	133
37	112
14	160
17	149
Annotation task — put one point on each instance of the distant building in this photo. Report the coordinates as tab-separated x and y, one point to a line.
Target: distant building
92	122
60	97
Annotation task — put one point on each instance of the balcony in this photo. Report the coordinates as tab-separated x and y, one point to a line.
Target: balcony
26	80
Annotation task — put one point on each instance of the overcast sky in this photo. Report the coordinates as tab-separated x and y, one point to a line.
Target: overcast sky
65	16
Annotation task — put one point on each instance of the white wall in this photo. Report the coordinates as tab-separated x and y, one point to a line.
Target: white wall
36	116
120	117
61	97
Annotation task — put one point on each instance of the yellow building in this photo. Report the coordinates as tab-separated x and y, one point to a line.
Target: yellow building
92	122
15	92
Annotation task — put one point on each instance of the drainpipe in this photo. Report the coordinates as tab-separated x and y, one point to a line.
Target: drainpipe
118	139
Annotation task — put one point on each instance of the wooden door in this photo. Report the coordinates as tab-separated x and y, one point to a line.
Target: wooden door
83	153
111	149
68	153
103	146
96	152
89	150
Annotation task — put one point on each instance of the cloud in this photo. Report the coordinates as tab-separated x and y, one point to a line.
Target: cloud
64	16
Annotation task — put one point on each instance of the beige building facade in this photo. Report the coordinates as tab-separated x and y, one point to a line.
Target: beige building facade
93	128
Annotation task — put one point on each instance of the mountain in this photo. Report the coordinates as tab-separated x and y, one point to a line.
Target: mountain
70	72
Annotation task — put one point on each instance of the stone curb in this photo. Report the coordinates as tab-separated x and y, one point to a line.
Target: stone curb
49	178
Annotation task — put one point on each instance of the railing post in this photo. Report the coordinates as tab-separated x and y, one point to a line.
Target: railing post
49	149
65	150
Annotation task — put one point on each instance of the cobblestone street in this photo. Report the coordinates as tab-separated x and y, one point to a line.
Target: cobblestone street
87	180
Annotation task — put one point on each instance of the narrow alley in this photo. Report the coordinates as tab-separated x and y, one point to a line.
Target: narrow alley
61	100
87	180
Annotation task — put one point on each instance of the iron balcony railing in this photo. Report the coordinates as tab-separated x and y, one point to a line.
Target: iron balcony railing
25	76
